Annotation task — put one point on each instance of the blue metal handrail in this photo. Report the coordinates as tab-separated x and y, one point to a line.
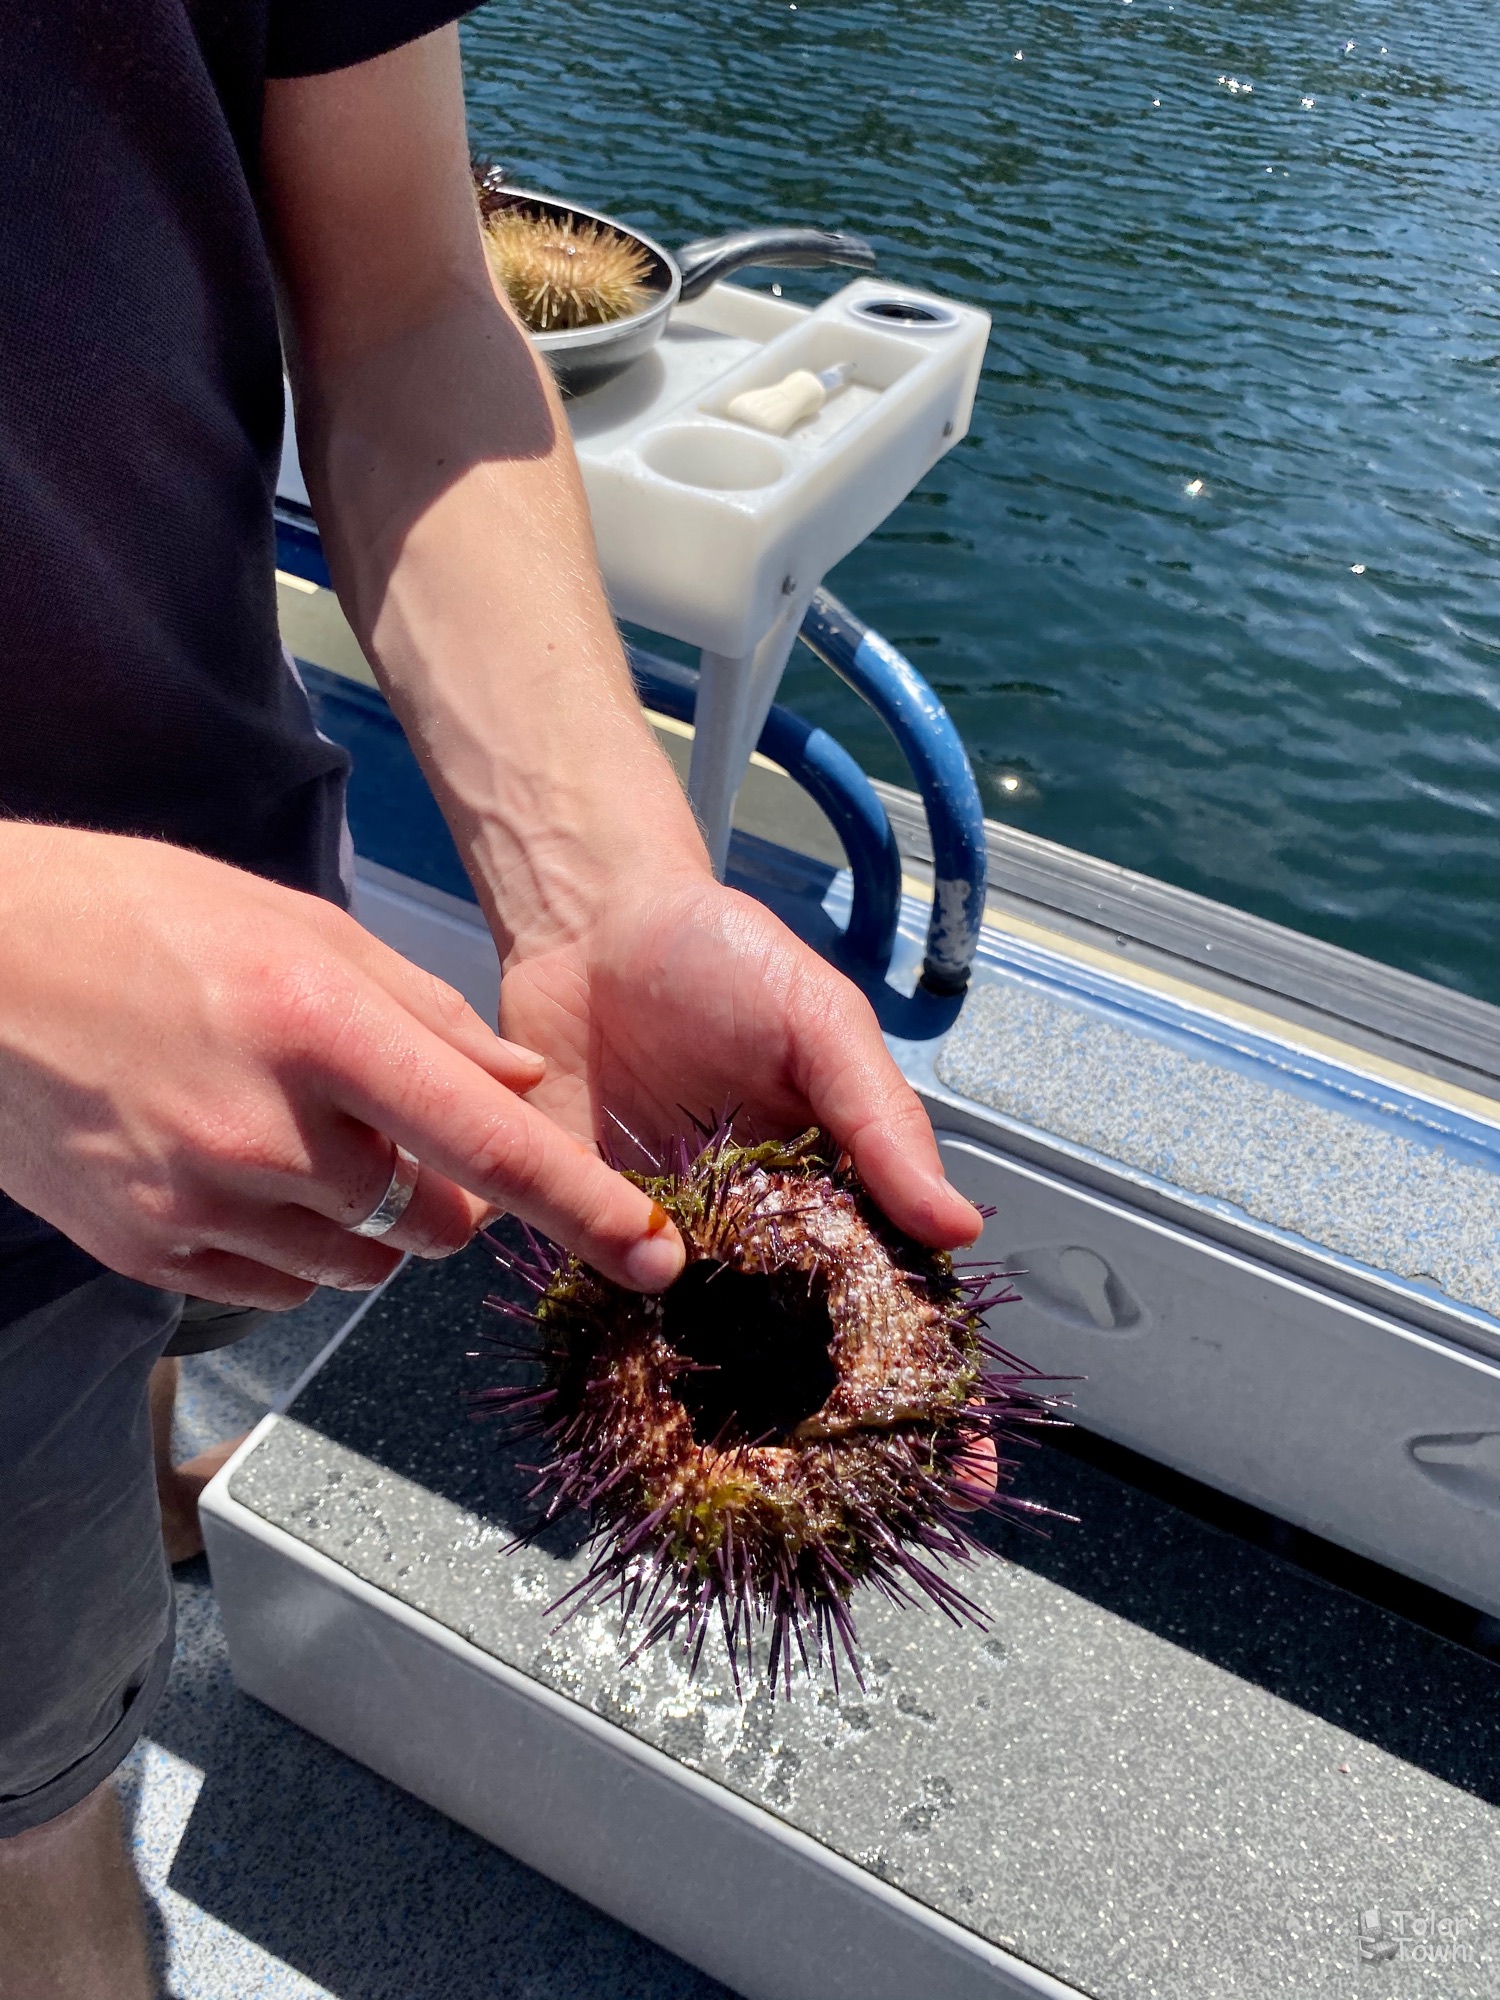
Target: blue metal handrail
829	775
891	685
931	745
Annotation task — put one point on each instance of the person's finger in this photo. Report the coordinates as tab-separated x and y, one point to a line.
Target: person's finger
301	1245
864	1103
896	1157
440	1218
348	1173
229	1280
441	1009
298	1244
401	1080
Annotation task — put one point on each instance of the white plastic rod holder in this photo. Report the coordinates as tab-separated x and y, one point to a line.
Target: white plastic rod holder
734	699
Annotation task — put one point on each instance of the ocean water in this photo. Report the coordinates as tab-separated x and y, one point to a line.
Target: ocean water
1212	589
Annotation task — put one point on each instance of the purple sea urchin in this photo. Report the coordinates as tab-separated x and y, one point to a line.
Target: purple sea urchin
797	1415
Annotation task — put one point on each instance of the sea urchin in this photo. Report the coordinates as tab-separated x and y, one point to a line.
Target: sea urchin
796	1416
561	271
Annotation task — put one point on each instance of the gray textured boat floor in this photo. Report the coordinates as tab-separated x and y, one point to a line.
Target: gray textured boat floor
1176	1767
279	1870
1383	1189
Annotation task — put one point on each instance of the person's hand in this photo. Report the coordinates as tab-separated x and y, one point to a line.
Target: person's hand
681	998
202	1075
686	999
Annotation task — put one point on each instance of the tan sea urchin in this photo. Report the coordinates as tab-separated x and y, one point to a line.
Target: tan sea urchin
561	271
796	1416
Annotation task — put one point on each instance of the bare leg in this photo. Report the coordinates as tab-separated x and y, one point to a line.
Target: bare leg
71	1922
178	1486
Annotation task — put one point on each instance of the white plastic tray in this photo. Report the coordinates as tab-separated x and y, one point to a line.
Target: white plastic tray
705	526
701	522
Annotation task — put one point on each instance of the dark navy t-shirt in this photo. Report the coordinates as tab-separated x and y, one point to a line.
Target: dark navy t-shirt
143	688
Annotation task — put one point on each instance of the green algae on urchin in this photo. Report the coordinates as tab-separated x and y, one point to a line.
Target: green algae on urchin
792	1419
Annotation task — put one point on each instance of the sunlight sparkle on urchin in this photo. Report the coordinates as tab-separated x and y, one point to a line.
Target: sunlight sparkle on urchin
791	1419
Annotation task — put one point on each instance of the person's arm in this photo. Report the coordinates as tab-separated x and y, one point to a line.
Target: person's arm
441	471
444	481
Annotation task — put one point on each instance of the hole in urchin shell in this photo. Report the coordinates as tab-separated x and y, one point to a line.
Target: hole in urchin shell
759	1342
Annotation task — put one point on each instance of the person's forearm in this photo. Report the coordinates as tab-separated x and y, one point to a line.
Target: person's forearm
440	470
444	479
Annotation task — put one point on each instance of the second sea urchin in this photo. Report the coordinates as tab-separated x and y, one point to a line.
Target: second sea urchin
795	1417
562	271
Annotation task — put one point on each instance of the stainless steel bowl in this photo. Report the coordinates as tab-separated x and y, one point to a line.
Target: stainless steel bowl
583	357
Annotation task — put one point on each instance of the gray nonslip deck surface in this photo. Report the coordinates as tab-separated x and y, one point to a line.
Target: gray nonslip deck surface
1364	1181
277	1869
1173	1767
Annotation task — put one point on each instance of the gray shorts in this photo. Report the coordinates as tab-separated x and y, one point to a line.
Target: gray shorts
85	1594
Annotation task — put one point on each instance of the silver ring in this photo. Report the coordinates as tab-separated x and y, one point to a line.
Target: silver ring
393	1204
